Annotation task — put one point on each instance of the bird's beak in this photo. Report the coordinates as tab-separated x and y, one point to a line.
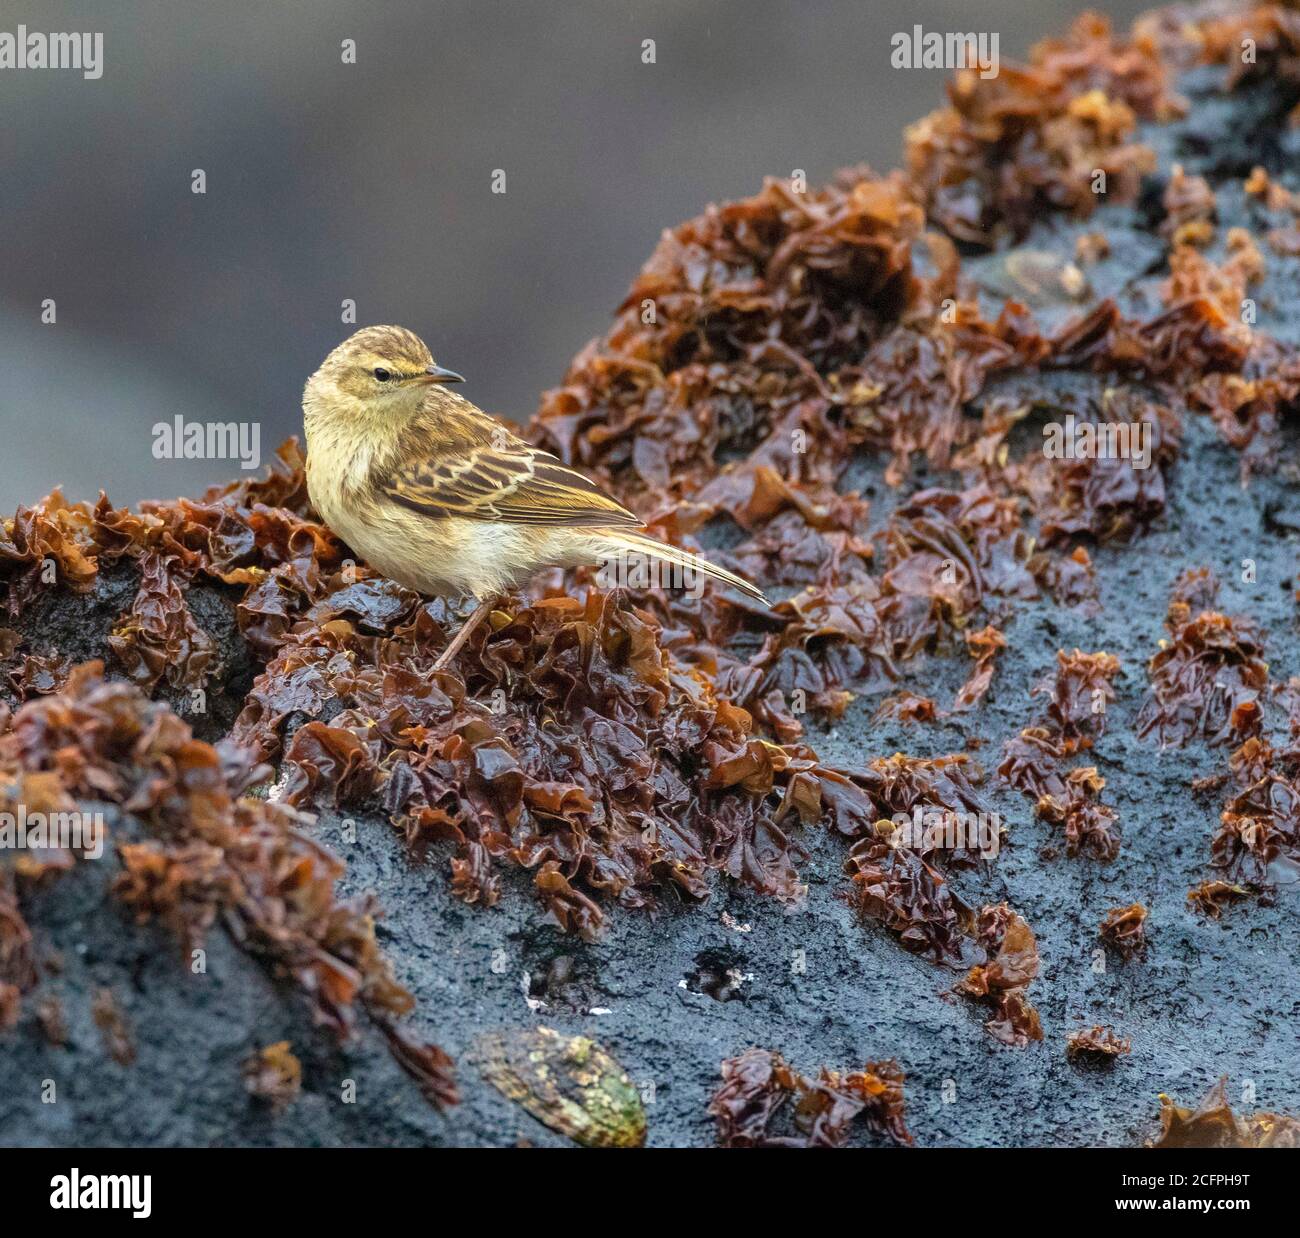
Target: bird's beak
438	374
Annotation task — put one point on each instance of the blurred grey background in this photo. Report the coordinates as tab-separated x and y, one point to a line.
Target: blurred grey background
372	182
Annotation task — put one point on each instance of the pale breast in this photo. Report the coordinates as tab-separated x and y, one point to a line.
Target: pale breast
435	556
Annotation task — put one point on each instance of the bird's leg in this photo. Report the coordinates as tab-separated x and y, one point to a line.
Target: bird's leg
481	612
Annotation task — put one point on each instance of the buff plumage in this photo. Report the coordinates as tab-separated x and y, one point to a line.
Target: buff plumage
441	497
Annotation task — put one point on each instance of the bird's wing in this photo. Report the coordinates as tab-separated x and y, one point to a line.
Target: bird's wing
505	480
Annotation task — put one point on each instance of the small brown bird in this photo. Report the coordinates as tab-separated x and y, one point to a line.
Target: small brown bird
444	499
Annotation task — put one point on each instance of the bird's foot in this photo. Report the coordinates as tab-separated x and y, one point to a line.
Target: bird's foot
457	643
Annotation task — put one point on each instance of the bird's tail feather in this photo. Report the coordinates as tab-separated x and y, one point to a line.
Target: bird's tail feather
643	544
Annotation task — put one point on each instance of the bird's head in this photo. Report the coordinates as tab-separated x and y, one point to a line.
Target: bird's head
379	371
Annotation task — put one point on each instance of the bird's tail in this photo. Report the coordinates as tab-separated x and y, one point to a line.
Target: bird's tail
639	543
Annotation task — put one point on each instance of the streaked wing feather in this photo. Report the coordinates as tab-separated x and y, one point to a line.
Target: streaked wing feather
516	484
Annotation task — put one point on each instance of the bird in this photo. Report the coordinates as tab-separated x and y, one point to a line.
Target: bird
443	498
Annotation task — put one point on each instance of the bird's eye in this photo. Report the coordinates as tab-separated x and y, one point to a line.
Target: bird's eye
382	374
